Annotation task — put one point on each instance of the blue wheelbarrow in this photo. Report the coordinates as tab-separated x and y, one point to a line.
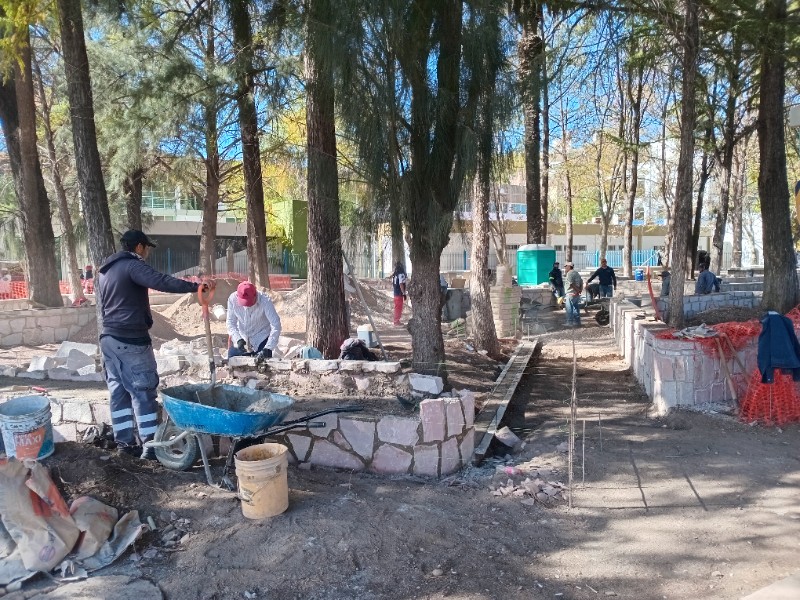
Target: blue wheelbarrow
245	415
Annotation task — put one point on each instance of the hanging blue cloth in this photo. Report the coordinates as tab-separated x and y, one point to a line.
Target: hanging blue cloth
778	347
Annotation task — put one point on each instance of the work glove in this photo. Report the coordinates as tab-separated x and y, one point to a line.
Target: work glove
265	353
241	345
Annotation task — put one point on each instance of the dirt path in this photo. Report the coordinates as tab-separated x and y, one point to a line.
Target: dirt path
693	506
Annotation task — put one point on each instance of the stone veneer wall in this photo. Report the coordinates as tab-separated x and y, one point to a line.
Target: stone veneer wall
36	326
437	441
674	372
693	304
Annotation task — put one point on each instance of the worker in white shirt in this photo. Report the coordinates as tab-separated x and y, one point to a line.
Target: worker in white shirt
252	321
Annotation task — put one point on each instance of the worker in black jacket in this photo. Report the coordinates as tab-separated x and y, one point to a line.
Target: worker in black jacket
607	279
556	282
130	365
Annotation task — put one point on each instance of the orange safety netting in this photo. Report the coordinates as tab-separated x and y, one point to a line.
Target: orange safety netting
771	403
19	289
768	403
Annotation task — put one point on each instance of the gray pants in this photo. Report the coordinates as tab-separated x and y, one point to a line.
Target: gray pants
132	379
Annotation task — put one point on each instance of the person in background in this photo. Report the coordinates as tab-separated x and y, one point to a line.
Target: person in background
5	284
252	319
399	291
130	366
706	282
666	277
556	281
88	280
574	289
607	279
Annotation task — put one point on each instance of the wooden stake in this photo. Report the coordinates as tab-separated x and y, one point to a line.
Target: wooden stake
583	452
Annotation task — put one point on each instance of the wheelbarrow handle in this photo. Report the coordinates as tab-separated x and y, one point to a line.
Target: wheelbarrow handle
338	409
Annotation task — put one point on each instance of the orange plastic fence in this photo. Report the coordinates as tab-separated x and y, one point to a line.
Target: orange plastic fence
19	289
771	403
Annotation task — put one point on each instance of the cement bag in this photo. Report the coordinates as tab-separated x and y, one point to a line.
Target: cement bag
95	521
35	515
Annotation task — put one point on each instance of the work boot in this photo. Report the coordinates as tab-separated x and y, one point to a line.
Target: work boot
148	453
133	451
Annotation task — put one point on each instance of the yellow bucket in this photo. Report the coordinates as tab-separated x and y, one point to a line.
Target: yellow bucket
263	484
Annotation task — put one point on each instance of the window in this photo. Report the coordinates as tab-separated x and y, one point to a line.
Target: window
558	248
579	248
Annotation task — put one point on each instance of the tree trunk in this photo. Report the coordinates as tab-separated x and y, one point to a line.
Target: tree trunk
68	245
569	228
94	201
484	332
780	274
737	201
544	82
132	188
395	216
683	189
251	154
327	315
37	228
635	102
705	173
208	229
530	75
728	145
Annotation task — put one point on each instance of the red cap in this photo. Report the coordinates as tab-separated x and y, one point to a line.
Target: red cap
246	294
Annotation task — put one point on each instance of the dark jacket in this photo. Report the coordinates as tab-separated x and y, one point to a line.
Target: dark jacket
123	285
778	347
556	278
606	276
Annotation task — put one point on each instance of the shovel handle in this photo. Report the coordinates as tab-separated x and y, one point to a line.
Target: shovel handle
205	294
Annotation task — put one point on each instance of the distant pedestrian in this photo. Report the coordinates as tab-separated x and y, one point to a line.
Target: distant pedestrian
557	281
399	291
5	284
707	281
88	280
130	365
574	288
607	279
666	278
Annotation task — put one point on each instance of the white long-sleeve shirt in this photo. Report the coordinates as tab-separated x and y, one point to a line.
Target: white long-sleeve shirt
254	323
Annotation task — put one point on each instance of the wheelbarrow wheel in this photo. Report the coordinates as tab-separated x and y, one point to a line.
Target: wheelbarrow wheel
182	454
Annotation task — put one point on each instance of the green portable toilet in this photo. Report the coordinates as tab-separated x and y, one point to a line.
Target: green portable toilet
534	263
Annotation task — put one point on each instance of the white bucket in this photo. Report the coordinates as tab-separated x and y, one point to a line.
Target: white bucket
263	483
27	428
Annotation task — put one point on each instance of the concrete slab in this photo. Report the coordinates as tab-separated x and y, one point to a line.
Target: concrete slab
785	589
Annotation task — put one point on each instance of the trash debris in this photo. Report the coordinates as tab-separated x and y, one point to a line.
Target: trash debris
699	331
508	438
45	531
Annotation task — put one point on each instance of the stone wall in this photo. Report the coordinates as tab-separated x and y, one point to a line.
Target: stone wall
436	441
34	326
674	372
693	304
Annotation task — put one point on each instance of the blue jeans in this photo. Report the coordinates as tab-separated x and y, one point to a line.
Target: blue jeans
572	305
606	291
132	379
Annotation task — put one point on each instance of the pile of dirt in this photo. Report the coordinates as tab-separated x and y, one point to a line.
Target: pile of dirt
725	315
162	331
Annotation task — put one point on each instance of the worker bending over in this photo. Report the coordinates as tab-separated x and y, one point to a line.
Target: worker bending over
252	320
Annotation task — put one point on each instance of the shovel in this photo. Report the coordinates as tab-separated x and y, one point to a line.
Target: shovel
204	296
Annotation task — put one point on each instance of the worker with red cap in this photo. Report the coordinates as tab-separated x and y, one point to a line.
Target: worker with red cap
252	321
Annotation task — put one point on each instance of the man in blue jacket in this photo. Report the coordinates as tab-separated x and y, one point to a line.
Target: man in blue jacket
130	365
607	279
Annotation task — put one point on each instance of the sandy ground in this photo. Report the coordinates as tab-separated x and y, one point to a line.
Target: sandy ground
691	506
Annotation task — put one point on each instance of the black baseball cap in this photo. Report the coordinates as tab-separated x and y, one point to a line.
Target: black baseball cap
134	237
